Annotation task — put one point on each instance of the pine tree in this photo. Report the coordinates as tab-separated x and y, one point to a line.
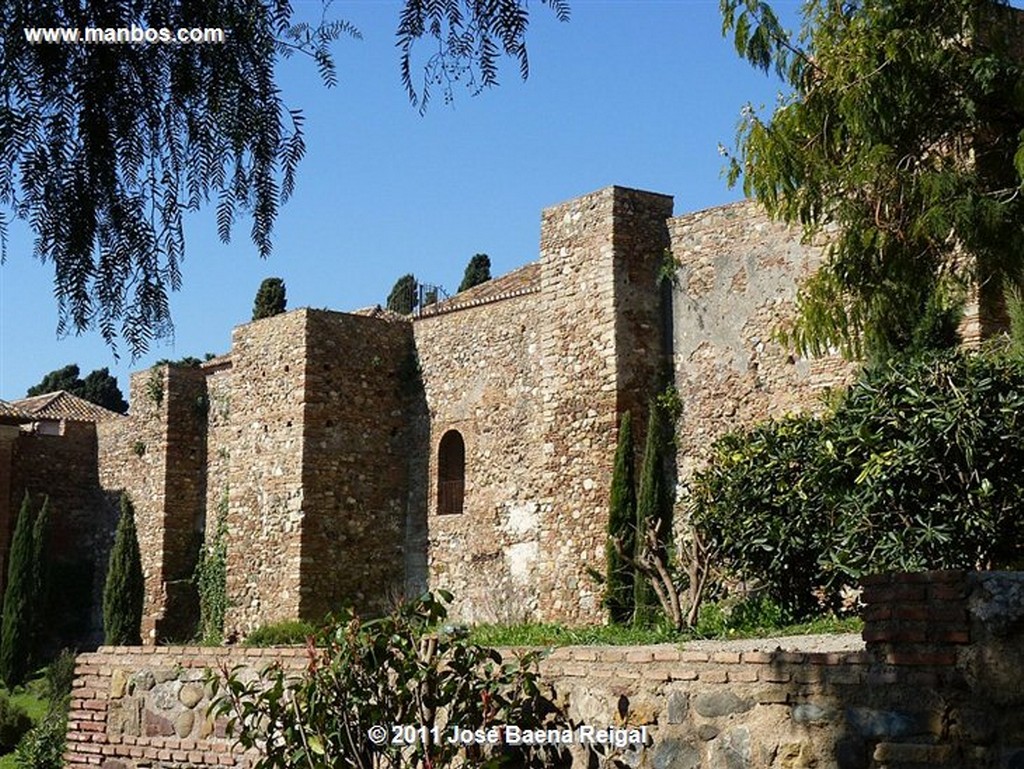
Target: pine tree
270	299
621	529
123	592
477	271
16	629
653	508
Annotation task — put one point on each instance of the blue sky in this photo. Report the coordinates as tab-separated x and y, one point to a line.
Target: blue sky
631	92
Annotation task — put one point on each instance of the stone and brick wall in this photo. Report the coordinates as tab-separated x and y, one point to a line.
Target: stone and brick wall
268	373
355	462
944	691
480	370
737	282
158	456
62	466
599	257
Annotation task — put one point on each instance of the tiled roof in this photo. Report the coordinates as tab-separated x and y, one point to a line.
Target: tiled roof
9	415
525	280
64	405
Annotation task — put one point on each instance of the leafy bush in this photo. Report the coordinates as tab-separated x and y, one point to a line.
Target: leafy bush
14	723
290	632
43	746
920	465
392	670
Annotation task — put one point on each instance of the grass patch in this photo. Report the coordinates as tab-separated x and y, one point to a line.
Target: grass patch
560	635
287	633
717	622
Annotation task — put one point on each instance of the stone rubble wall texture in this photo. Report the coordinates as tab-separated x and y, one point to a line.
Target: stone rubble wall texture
219	439
737	280
355	463
481	375
265	510
158	457
942	692
321	430
63	468
592	324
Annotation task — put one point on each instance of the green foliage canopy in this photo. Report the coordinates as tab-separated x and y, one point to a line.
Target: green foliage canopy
270	299
901	140
404	296
99	387
23	594
477	271
104	148
920	465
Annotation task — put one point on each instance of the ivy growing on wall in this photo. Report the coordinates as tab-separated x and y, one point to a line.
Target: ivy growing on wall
211	578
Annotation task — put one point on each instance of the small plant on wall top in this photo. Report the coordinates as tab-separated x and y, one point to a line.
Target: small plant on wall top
155	386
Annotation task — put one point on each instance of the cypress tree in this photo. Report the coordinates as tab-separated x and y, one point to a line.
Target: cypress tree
621	528
270	299
404	296
16	629
123	591
653	508
40	572
477	271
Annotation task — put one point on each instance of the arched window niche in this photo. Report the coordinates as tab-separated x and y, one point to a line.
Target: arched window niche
451	473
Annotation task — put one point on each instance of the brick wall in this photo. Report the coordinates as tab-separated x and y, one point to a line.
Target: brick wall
917	697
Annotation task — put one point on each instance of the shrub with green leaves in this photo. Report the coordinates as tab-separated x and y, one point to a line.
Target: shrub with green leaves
919	465
43	746
398	669
14	723
290	632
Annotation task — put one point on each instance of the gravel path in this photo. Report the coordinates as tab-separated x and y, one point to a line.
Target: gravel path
840	642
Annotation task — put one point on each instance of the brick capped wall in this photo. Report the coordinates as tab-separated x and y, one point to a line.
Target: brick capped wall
895	705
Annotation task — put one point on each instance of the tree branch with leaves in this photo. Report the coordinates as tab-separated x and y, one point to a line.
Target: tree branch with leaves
901	143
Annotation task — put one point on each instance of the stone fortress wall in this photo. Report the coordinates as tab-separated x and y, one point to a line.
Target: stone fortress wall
360	456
